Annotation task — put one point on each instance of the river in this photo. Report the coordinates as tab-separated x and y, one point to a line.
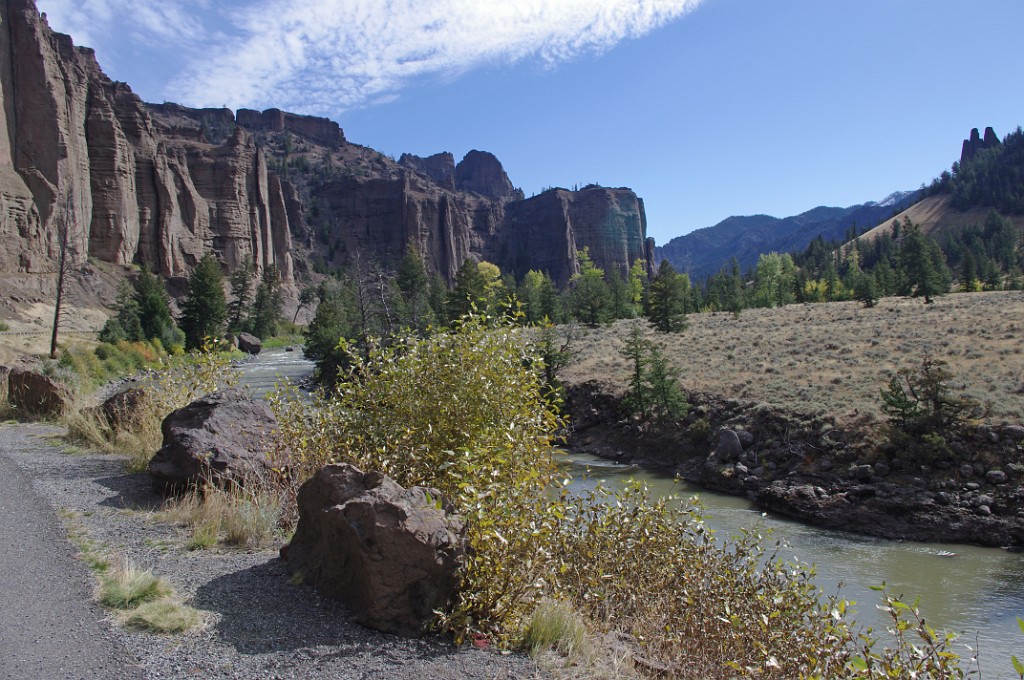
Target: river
977	592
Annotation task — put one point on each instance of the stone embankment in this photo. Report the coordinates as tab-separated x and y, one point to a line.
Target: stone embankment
810	468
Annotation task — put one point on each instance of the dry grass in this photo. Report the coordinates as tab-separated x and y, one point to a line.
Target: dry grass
834	358
166	615
127	586
555	625
248	516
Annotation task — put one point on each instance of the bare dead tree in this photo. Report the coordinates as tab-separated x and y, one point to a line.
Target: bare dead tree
63	244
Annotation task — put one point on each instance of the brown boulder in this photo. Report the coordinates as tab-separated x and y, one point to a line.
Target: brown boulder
393	555
121	410
34	394
249	344
221	437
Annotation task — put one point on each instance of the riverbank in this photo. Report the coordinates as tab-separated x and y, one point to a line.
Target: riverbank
257	624
814	469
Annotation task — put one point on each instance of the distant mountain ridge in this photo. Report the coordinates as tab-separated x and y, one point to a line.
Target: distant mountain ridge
703	252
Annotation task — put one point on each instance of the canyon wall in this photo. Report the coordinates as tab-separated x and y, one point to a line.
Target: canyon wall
131	183
160	185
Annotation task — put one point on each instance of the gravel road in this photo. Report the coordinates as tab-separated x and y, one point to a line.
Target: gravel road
50	627
257	624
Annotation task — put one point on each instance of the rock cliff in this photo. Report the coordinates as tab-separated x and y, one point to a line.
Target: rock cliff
135	183
976	143
162	184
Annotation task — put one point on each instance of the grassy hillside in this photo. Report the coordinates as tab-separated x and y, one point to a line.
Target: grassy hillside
834	358
935	215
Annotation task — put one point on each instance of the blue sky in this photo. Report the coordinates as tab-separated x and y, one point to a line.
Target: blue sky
706	108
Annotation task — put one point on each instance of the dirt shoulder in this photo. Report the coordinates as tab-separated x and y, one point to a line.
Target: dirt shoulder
257	623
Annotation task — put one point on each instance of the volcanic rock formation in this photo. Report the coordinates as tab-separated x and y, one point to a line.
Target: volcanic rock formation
161	184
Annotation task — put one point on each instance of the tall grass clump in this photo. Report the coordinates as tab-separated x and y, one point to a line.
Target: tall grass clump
247	514
128	586
177	381
164	616
466	411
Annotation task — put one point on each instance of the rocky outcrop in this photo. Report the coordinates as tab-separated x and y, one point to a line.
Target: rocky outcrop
322	131
393	555
976	143
163	184
480	172
546	231
440	167
222	437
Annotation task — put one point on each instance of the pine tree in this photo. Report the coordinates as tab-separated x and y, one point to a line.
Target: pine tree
666	299
667	399
332	322
204	308
267	304
924	270
588	293
241	294
413	286
470	291
154	310
635	352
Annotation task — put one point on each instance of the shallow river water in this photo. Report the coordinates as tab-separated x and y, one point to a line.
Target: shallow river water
977	592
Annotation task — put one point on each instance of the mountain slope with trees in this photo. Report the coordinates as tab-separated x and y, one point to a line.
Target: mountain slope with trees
703	252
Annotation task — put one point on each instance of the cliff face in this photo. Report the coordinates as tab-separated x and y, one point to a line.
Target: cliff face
163	184
135	184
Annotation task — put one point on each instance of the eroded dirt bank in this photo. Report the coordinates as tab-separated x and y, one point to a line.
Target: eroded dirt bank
817	470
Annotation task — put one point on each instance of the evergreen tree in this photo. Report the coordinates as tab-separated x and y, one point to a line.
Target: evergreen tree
924	271
866	290
125	324
588	294
332	322
539	297
666	299
666	398
619	300
241	294
155	311
267	304
470	291
968	272
204	308
413	286
635	352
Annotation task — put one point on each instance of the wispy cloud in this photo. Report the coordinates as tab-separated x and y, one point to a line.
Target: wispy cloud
321	56
324	56
154	23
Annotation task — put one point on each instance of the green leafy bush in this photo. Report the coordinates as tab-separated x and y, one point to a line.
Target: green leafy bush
464	411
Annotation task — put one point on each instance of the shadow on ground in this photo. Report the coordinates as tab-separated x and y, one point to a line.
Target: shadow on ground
262	613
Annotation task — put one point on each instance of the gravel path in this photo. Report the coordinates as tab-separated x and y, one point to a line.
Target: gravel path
49	626
258	625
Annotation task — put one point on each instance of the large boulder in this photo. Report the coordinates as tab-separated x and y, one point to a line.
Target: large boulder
122	409
220	438
729	445
249	344
393	555
34	394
